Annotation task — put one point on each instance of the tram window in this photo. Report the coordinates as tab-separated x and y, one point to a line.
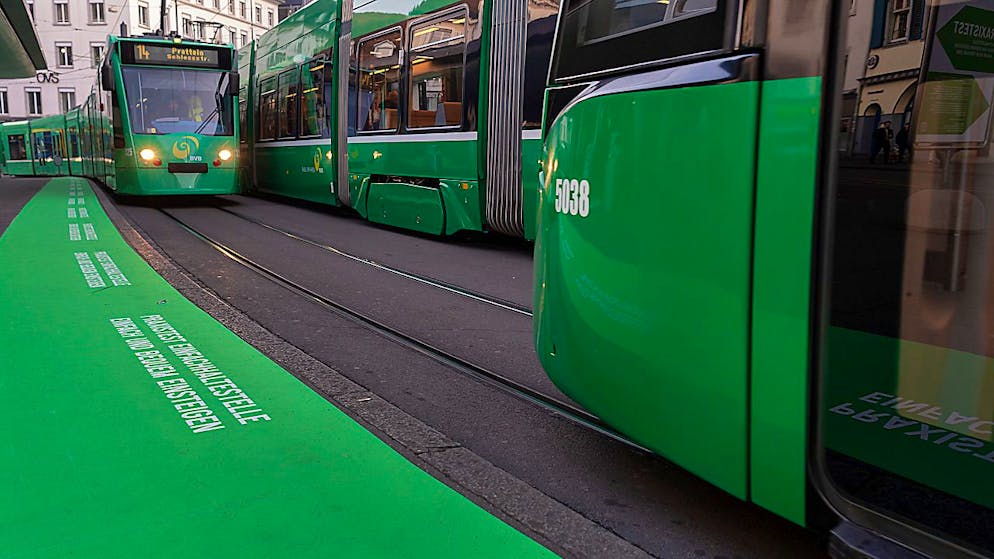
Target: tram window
379	82
538	53
73	143
353	99
601	35
287	97
909	339
437	63
115	106
43	147
267	109
315	76
242	114
16	147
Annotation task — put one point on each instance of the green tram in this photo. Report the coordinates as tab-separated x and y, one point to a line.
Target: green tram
421	115
46	146
766	252
15	145
160	119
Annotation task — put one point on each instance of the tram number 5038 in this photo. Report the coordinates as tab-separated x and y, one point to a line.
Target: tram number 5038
573	197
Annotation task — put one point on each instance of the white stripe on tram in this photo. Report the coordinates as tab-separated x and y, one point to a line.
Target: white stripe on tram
393	138
294	143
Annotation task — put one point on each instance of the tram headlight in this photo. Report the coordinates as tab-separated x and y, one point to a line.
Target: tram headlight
146	154
224	154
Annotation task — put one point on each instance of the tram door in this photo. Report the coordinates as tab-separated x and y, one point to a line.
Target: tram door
648	192
906	415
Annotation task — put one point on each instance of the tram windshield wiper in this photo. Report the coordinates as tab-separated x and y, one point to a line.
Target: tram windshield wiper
218	100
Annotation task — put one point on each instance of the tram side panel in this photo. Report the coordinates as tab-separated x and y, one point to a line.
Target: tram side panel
413	152
74	154
86	136
292	90
644	250
246	118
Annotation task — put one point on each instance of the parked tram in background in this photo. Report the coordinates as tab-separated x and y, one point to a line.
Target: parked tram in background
770	261
421	115
15	143
160	119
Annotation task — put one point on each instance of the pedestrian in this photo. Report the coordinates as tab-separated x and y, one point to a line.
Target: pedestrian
882	142
903	140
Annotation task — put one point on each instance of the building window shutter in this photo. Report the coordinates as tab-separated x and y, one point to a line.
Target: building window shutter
917	19
879	23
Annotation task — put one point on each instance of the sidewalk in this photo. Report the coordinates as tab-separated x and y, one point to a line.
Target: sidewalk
137	426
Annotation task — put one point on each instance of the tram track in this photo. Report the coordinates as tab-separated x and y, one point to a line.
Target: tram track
491	378
420	278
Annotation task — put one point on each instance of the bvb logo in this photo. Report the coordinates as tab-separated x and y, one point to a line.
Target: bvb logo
183	146
317	159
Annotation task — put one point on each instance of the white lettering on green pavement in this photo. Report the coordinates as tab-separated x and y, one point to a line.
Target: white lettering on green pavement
89	270
191	408
114	273
242	407
164	369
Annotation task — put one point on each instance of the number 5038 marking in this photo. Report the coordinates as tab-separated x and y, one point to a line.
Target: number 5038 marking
573	197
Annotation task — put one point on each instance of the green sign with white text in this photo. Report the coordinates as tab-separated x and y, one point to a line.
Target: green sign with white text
968	40
955	97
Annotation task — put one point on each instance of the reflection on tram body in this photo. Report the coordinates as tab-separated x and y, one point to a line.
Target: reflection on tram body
909	406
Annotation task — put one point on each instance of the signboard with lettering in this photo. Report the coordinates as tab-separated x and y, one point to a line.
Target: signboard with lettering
198	56
957	91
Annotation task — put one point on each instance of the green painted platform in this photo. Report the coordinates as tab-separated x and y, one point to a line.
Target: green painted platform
134	425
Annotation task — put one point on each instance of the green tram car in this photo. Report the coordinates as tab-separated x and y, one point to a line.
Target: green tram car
421	115
160	119
766	251
46	146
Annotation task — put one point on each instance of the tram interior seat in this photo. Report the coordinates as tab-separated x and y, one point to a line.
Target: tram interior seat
389	119
453	112
447	114
422	119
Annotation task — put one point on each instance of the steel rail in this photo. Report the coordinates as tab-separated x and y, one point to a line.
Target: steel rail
491	378
427	280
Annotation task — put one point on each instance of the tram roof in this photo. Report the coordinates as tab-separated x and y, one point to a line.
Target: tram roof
18	41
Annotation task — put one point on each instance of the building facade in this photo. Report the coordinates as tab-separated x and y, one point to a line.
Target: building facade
881	74
290	6
73	36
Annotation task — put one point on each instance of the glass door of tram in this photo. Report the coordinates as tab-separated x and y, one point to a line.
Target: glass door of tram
906	363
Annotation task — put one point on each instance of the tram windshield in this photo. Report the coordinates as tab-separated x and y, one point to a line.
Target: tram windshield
178	100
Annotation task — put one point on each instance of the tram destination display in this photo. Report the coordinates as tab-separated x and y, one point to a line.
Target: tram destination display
175	55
